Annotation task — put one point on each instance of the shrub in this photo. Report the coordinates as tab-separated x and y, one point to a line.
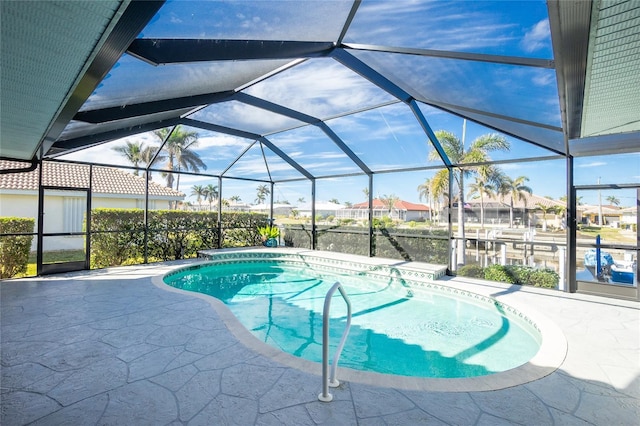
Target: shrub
473	271
499	273
14	250
513	274
545	278
520	273
118	235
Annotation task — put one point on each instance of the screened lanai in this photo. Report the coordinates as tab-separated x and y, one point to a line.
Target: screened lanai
350	101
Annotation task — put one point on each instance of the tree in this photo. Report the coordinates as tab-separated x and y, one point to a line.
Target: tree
389	202
301	200
261	193
200	192
365	191
424	193
545	210
564	200
148	154
180	155
235	198
613	200
211	193
334	201
132	151
515	189
487	179
478	152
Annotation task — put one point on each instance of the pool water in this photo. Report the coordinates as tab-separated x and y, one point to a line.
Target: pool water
395	330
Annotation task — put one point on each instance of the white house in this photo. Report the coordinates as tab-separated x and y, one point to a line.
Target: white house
64	210
402	210
278	209
323	209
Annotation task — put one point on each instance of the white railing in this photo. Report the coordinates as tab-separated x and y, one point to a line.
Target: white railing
325	396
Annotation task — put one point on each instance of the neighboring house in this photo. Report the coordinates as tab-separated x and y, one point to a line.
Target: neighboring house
611	215
64	211
278	209
323	209
629	218
236	207
402	211
526	211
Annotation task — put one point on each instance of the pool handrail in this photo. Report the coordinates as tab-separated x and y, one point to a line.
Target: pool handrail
325	396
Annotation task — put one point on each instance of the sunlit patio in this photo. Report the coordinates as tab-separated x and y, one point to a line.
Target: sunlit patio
116	347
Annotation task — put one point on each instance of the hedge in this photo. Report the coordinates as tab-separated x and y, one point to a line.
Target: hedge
118	234
14	249
513	274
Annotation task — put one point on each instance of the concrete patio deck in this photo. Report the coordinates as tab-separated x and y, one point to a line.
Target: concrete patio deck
109	347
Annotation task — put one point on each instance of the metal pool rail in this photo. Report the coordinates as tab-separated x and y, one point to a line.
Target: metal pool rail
325	396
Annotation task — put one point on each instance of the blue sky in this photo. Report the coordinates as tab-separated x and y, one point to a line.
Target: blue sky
384	138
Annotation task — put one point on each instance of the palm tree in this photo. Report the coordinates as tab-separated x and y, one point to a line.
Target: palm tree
478	152
365	191
424	193
514	188
180	154
389	202
440	191
262	192
211	193
200	192
132	151
564	200
545	210
613	200
235	199
147	155
485	184
301	200
334	201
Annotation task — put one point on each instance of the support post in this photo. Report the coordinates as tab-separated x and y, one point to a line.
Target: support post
572	225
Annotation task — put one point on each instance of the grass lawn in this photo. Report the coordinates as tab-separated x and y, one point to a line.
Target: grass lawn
606	233
56	256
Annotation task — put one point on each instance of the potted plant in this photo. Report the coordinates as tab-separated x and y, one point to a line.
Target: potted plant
269	235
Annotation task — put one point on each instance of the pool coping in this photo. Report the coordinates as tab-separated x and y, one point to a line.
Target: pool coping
550	356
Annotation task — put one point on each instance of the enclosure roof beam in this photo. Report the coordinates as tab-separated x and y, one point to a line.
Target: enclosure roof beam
70	145
288	112
477	57
170	51
387	85
248	135
286	158
146	108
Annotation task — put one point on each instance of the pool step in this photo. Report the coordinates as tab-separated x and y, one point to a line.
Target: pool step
331	262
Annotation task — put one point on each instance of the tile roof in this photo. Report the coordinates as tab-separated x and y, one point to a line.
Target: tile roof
106	180
531	200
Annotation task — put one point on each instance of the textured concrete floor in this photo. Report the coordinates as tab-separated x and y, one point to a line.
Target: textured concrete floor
111	348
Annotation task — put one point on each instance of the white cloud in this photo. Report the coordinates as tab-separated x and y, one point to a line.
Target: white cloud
593	164
537	37
321	88
542	78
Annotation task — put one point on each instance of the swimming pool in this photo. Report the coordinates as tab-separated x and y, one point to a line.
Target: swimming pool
401	325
